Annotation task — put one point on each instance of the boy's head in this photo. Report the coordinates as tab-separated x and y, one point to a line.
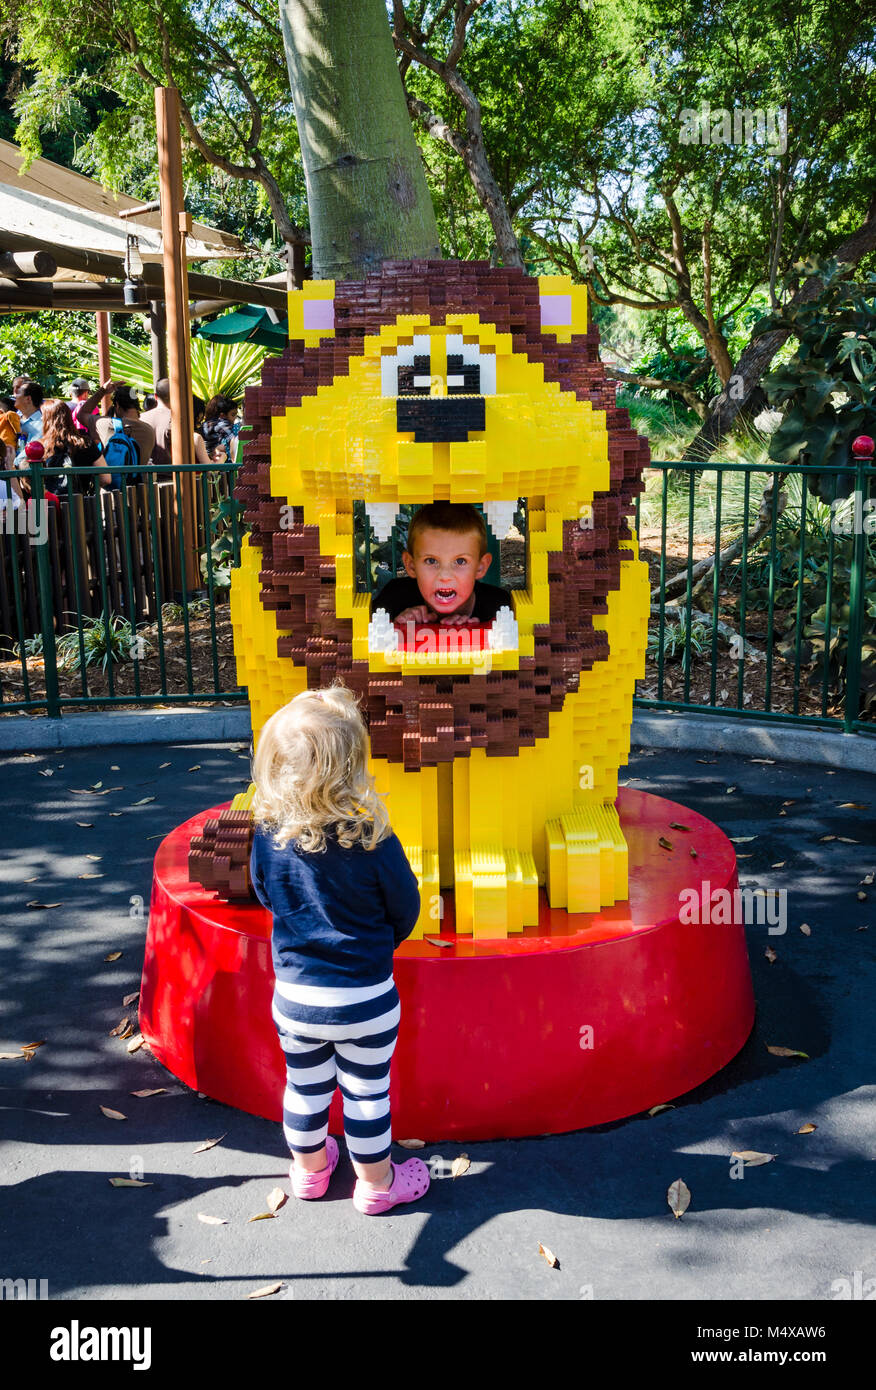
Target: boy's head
446	553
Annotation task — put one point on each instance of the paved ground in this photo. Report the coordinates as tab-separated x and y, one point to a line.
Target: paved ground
789	1229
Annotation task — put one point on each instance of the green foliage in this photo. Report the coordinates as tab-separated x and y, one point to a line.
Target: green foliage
226	530
828	388
224	368
102	641
676	644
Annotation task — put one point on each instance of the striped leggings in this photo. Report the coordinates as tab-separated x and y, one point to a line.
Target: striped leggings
337	1037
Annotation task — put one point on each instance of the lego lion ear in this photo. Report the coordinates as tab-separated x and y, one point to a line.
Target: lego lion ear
563	307
312	312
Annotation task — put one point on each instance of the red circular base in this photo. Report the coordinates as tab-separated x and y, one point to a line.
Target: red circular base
581	1020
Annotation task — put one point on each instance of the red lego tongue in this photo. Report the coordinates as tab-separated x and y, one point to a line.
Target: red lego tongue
438	637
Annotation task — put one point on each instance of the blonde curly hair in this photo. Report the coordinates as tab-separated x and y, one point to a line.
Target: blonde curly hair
311	774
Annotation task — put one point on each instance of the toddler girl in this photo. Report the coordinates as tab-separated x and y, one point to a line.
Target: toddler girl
326	864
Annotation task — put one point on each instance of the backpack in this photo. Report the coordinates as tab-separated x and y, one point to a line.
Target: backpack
119	451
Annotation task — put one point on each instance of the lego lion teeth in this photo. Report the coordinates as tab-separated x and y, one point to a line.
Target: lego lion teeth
383	635
382	516
500	516
502	635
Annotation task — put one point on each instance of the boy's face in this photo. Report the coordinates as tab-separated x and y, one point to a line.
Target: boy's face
445	565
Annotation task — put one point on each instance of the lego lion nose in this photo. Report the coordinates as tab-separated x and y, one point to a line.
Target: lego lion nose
435	419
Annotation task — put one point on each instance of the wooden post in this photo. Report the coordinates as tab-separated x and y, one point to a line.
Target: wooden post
158	336
104	370
175	224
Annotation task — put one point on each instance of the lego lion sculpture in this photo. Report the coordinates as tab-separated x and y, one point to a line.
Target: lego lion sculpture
451	381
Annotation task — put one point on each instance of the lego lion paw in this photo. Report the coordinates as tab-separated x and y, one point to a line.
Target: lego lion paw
587	859
496	892
219	856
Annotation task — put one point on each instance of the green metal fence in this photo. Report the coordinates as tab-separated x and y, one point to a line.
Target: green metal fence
783	628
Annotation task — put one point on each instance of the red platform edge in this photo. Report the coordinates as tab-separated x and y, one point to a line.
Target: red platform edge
582	1020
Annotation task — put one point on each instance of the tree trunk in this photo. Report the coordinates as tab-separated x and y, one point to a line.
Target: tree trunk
759	352
366	187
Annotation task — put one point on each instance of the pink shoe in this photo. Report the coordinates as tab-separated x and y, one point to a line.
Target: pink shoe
410	1180
310	1185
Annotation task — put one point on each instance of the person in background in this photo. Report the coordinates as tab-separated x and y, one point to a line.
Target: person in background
202	457
159	417
67	446
220	427
18	383
81	390
28	403
10	427
125	406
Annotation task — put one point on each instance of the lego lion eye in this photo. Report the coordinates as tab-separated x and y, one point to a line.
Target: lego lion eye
470	370
407	371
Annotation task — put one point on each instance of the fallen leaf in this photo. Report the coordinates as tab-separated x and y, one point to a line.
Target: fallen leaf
196	768
142	801
742	839
212	1220
808	1128
265	1291
129	1182
549	1256
411	1143
96	857
862	897
792	802
89	875
822	839
674	825
781	864
731	789
209	1144
120	1028
161	765
36	904
85	824
678	1197
867	879
113	1114
115	813
276	1198
693	854
114	768
844	840
786	1051
262	1216
862	928
113	955
46	772
852	806
436	941
761	760
156	837
656	1109
135	1043
158	1091
129	998
460	1165
752	1158
805	929
18	1056
664	843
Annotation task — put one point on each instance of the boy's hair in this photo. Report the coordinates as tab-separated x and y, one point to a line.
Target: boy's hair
458	517
311	774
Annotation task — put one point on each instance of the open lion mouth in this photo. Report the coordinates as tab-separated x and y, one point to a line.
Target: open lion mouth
455	642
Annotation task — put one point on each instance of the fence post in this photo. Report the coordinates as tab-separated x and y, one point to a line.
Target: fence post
862	449
44	579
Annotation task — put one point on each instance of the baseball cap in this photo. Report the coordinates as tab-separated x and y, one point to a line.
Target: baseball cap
80	384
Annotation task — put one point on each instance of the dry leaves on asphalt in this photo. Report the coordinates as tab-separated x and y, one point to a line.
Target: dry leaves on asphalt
786	1051
265	1291
113	955
770	954
664	843
112	1114
549	1256
751	1158
156	1091
658	1109
136	1043
276	1198
209	1144
120	1028
678	1197
129	1182
212	1220
130	998
460	1165
805	929
38	904
263	1216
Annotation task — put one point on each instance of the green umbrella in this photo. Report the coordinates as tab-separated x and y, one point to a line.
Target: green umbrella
249	324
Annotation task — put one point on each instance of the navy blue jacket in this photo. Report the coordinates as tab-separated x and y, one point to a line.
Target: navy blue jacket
338	913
